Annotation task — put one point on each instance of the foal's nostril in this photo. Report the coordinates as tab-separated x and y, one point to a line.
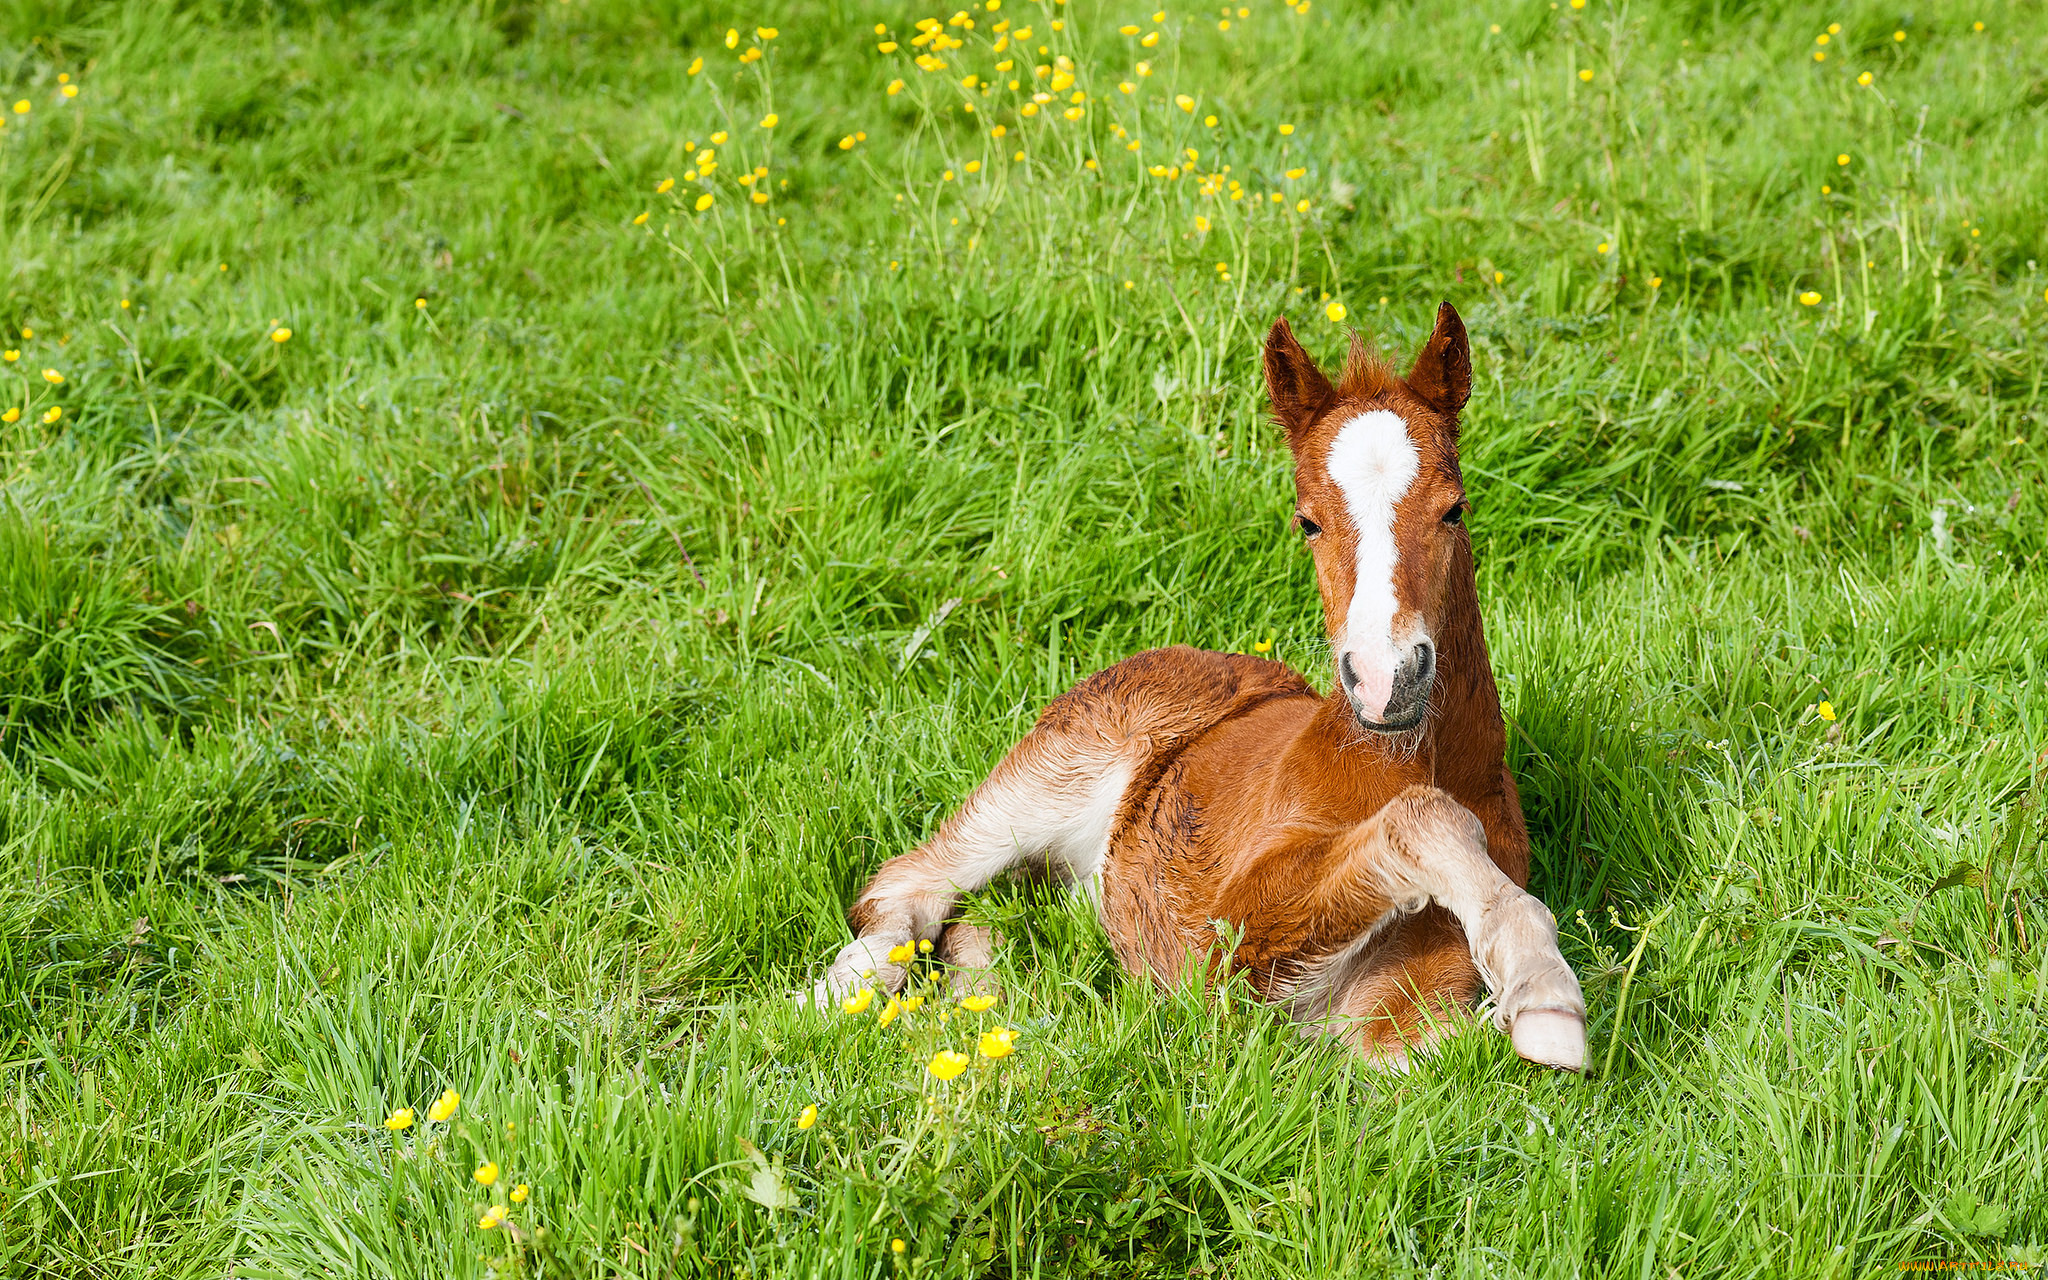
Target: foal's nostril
1347	673
1425	662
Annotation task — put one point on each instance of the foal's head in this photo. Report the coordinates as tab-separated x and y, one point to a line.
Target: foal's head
1381	501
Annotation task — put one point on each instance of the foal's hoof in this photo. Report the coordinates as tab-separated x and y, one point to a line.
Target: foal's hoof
1551	1037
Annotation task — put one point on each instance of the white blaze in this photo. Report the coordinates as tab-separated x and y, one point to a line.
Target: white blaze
1373	462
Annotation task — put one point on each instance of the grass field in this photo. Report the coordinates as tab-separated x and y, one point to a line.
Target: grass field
461	635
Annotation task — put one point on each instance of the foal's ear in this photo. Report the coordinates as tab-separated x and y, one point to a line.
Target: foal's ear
1442	375
1299	391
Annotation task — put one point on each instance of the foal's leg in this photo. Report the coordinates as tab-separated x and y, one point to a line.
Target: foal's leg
1051	802
1424	847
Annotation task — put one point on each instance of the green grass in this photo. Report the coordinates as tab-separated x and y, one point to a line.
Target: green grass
507	694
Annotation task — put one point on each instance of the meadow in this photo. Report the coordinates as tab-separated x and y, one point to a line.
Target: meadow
510	510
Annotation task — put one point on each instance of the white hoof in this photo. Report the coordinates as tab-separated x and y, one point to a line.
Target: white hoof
864	962
1551	1037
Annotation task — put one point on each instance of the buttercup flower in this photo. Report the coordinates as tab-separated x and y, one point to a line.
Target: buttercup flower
718	139
10	355
998	1042
640	220
1826	710
732	39
1184	102
807	1118
520	1192
444	1106
890	1012
703	202
946	1064
486	1173
53	377
1336	313
23	107
280	336
1263	646
859	1001
1586	75
52	414
769	121
665	186
494	1217
897	1245
696	65
11	415
1809	298
399	1119
978	1004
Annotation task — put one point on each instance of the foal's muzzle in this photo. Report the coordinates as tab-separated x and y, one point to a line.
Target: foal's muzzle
1407	699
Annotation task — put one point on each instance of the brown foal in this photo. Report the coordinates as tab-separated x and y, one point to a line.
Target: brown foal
1364	849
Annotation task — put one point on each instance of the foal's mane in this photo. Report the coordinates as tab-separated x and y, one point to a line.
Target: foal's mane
1366	374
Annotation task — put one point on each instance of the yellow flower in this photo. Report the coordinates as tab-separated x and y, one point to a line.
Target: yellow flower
399	1119
1826	710
1201	224
996	132
1223	24
946	1064
1019	157
280	335
1578	4
1301	206
897	1245
1128	29
998	1042
703	202
1143	69
718	139
925	945
911	1004
23	107
665	186
1809	298
1865	78
53	377
890	1012
973	166
1656	282
1602	247
895	87
1028	109
52	414
1184	102
1209	121
1976	26
978	1004
1292	174
947	176
1834	28
1286	130
10	356
1499	276
1151	39
732	39
1586	75
1125	86
1263	646
859	1001
489	1222
766	33
486	1173
846	143
1898	35
11	415
1074	113
1843	159
640	220
71	90
1336	313
444	1106
520	1192
1820	55
888	46
769	121
805	1119
759	197
1159	16
696	65
1822	38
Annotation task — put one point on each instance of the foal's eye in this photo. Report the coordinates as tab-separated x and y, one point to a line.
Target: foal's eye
1309	528
1456	515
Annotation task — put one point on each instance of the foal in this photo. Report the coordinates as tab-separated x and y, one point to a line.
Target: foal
1365	848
